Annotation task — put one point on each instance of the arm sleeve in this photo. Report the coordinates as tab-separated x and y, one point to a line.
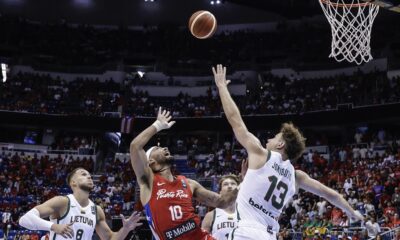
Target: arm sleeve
31	220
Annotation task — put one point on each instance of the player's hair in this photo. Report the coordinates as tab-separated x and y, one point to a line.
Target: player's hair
294	141
231	176
71	174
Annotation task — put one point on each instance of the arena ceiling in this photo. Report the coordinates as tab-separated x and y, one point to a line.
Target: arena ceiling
139	12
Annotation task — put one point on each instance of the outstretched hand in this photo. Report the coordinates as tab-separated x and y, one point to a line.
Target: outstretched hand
163	120
132	222
220	76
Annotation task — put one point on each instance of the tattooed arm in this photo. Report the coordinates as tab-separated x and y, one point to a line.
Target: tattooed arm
210	198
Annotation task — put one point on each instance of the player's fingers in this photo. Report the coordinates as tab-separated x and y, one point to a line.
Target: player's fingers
169	118
70	234
134	215
224	70
65	234
228	81
167	114
213	70
135	218
170	124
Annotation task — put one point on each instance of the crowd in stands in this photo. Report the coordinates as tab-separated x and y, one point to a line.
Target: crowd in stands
42	94
173	47
291	95
168	46
73	142
366	173
26	181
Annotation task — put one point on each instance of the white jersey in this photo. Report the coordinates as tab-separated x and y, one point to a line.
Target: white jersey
84	220
264	192
223	223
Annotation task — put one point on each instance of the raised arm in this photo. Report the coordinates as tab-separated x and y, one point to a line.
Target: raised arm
210	198
55	207
245	138
311	185
139	160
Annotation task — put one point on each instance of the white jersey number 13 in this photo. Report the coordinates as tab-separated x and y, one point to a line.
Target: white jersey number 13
277	201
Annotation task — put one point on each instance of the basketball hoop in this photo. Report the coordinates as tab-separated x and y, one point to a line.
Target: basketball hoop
351	24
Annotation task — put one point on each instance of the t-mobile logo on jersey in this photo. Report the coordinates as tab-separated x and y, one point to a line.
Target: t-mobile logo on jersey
162	193
180	230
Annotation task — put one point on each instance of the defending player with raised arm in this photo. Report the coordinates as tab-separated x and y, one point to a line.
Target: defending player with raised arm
167	199
271	180
75	215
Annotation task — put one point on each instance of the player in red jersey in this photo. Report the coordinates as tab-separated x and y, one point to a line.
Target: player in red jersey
167	199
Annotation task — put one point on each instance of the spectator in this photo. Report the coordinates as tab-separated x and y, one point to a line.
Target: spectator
348	184
373	227
321	205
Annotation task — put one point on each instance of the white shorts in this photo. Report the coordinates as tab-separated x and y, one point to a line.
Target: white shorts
250	233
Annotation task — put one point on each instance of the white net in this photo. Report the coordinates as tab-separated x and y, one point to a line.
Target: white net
351	24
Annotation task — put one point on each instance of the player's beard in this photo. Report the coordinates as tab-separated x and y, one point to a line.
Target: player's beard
166	164
86	188
169	160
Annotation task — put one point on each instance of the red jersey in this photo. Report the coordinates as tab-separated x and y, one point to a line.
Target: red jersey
170	211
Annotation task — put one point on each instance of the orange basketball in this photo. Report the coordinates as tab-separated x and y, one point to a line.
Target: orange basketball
202	24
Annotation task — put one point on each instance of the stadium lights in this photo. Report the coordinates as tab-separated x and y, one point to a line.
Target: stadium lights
4	69
140	73
216	2
83	3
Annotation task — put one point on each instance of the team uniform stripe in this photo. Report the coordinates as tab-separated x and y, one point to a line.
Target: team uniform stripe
149	218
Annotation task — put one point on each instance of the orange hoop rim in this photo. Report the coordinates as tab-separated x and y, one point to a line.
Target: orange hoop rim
342	5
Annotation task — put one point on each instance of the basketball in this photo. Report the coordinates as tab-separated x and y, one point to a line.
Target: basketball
202	24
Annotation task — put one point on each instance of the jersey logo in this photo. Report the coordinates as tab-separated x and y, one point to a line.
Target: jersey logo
160	184
183	184
162	193
261	208
175	232
223	225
